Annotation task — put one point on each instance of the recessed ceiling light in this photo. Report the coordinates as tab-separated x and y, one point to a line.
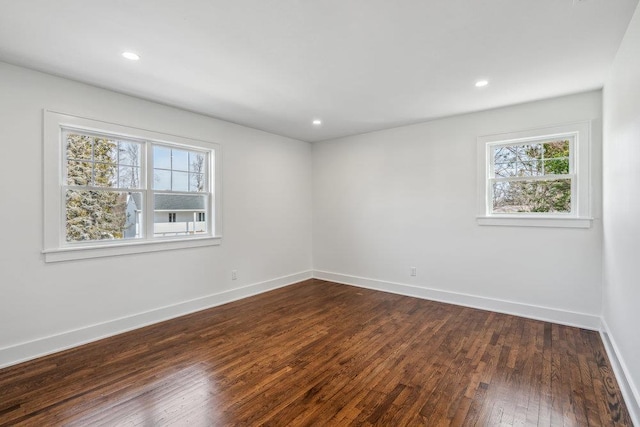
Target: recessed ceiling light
481	83
131	56
317	122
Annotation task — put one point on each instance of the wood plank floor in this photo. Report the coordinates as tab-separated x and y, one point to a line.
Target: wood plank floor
320	353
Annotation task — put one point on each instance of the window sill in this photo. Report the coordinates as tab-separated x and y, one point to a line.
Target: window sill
105	250
531	221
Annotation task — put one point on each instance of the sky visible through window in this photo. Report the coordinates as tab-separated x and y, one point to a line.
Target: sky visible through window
178	170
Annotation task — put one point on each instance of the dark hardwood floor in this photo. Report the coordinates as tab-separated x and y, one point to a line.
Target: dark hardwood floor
319	353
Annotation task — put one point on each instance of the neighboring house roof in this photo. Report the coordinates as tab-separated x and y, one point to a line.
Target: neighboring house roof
172	202
178	202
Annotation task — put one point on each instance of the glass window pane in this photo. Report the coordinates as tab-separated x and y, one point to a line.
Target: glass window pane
105	150
557	166
196	182
105	175
133	223
129	153
556	149
128	177
101	215
179	160
505	154
529	152
185	207
79	173
161	157
505	161
504	170
180	181
161	180
499	195
532	196
531	168
196	162
79	147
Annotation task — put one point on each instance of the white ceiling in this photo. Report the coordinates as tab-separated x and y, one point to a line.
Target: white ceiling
359	65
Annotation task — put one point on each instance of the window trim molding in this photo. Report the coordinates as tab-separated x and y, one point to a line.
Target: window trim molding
53	209
581	218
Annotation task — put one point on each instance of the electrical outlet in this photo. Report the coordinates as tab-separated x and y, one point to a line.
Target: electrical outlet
414	271
234	274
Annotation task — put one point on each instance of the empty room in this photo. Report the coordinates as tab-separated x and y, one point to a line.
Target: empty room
288	213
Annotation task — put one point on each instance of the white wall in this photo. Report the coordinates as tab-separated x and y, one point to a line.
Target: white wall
621	208
266	223
386	201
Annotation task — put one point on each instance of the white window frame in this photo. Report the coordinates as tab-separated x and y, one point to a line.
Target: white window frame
56	248
579	135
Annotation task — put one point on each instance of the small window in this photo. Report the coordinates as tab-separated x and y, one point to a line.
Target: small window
112	189
535	177
532	177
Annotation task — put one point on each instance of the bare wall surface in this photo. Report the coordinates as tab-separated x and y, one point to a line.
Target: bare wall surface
407	197
266	215
621	206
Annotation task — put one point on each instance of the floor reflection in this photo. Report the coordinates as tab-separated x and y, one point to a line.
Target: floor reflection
183	397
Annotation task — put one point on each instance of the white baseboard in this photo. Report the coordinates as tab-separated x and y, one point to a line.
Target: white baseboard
625	382
581	320
52	344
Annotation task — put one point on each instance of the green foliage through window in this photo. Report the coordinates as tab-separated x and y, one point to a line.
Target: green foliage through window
532	177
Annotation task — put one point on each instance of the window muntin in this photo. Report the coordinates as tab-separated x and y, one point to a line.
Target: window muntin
532	177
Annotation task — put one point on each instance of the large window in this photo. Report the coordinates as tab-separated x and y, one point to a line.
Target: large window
112	189
538	177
